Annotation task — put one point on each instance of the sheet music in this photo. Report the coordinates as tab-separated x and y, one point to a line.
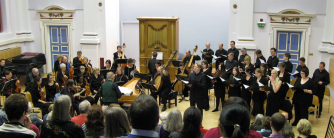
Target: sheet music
222	79
296	72
276	68
160	55
237	79
228	69
214	57
246	86
223	55
125	90
260	84
210	77
186	82
290	86
262	61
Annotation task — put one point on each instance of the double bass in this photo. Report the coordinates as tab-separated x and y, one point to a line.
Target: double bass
158	80
190	63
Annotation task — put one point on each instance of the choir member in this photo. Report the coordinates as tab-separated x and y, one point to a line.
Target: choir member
259	94
219	54
186	88
64	60
51	88
321	79
63	73
197	91
272	60
120	77
247	80
288	64
234	87
77	59
36	96
130	67
30	77
8	77
208	54
242	57
301	64
151	63
219	86
233	50
263	67
230	63
207	72
302	98
273	101
188	56
165	88
2	66
247	63
56	64
284	76
259	55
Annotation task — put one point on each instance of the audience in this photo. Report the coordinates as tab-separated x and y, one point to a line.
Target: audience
48	115
94	126
144	116
3	116
116	123
173	123
60	124
84	107
266	128
304	129
34	117
287	125
277	125
163	118
257	124
192	120
289	133
18	125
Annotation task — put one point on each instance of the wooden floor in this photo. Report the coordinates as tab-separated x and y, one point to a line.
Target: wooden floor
210	119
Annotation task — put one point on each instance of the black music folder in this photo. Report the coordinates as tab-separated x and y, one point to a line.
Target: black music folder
143	76
103	72
148	86
121	61
294	88
9	84
265	87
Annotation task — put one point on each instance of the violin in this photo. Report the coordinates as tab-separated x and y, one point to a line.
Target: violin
42	94
71	72
58	89
87	87
64	81
81	59
89	70
18	88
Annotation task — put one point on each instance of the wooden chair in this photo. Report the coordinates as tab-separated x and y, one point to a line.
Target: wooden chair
292	82
289	95
327	97
36	110
314	109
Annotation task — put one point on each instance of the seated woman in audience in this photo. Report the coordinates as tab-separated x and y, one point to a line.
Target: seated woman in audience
192	120
116	123
51	88
60	124
94	126
257	124
173	123
266	128
304	129
36	96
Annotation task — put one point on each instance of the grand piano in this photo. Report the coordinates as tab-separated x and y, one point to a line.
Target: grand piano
132	86
24	60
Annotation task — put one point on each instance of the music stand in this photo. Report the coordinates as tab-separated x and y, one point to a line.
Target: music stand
29	86
9	84
142	92
181	77
121	61
176	63
103	72
148	86
143	76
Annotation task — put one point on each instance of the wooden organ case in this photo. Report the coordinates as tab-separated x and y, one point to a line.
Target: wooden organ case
158	34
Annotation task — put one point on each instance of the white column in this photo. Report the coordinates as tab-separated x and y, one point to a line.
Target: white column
328	39
112	23
22	17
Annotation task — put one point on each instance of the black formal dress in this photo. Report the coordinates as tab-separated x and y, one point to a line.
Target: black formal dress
165	88
235	52
284	88
273	101
324	77
288	66
60	77
258	62
207	58
51	91
208	86
299	68
220	53
302	100
246	94
219	88
259	96
95	83
35	96
127	71
234	91
197	91
186	89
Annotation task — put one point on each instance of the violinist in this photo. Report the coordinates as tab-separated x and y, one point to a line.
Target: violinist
51	88
56	64
95	82
82	72
8	77
81	89
120	76
77	59
38	98
130	67
62	76
86	63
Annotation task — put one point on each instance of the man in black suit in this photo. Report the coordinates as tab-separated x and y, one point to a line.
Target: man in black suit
301	64
321	79
272	60
242	57
197	91
76	59
233	50
219	53
259	55
151	63
208	54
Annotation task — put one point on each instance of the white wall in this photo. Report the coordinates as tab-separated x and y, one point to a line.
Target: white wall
201	21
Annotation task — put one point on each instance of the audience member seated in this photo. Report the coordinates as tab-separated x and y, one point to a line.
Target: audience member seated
144	116
36	130
94	126
266	129
289	133
173	123
287	125
34	117
45	117
277	125
84	107
60	124
192	120
163	118
257	124
3	116
304	129
215	132
18	126
117	123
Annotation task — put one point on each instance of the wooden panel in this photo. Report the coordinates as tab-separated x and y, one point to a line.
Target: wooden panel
10	52
331	73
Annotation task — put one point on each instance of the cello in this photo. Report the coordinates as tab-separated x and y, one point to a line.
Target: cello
87	87
190	63
158	80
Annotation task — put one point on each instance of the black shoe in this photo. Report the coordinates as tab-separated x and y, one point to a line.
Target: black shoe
215	110
311	113
206	109
163	109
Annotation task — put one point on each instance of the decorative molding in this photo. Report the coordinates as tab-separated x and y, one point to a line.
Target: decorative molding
16	40
294	16
55	12
90	34
89	41
23	33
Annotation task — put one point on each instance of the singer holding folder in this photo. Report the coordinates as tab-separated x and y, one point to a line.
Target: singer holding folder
259	94
273	103
197	91
219	86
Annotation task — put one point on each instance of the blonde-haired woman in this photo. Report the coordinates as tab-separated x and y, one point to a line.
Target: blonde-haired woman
95	82
273	102
304	129
247	64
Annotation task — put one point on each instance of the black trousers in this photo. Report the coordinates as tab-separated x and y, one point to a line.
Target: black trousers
320	94
185	91
164	94
206	99
155	94
199	101
221	99
301	112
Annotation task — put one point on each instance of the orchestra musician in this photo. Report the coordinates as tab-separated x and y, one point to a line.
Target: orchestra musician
233	50
67	65
186	88
109	90
86	63
197	91
8	77
207	72
219	54
301	64
130	67
95	82
188	56
302	98
248	80
288	64
242	57
76	60
273	101
82	72
272	60
63	73
37	97
259	94
155	71
120	77
219	86
51	88
56	64
108	67
321	79
30	77
247	63
151	63
2	66
81	89
70	90
234	87
259	56
165	88
118	55
208	54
